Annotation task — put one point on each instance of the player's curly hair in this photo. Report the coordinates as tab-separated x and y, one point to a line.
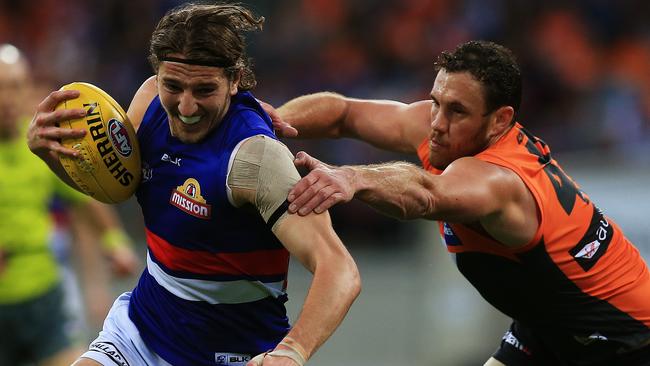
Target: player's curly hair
208	34
493	65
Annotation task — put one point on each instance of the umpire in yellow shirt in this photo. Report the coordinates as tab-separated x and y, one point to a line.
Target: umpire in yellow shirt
32	318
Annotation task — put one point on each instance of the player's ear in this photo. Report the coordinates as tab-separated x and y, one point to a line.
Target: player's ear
234	83
501	120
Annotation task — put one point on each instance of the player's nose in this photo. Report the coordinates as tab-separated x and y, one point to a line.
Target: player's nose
187	104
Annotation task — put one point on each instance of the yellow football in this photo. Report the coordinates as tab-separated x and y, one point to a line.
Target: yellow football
108	167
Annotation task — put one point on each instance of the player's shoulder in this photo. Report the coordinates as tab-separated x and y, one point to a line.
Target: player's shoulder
469	164
247	110
265	145
483	172
266	153
141	101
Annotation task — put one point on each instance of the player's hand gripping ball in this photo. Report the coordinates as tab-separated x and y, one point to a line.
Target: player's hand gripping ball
108	166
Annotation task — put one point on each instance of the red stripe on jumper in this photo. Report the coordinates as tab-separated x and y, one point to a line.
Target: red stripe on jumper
260	262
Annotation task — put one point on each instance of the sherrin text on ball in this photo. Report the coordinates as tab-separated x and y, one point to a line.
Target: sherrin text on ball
108	166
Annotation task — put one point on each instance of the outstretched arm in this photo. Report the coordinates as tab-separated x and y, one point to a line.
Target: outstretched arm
397	189
261	175
385	124
104	223
469	191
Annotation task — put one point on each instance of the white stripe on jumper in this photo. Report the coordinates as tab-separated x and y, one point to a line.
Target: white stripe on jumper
214	292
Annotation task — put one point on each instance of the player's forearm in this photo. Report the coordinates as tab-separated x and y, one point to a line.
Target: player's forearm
106	223
85	250
316	115
102	215
397	189
335	285
93	273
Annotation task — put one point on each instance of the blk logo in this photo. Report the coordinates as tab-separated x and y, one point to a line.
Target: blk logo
166	158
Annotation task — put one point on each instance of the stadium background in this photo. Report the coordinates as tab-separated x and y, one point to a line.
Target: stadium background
587	93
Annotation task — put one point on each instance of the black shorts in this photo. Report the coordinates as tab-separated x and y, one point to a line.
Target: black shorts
522	346
33	330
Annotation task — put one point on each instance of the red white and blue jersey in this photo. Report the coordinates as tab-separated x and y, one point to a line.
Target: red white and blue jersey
216	275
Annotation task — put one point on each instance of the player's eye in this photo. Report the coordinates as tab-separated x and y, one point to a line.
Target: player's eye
205	91
458	110
173	88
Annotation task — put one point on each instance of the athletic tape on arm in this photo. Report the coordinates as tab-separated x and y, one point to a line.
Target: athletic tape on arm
262	172
295	356
294	351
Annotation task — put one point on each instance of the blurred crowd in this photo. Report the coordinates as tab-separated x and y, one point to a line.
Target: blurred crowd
586	63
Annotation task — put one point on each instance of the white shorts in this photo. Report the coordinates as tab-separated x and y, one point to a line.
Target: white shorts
119	342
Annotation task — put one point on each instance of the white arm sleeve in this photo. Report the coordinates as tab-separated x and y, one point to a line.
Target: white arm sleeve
262	173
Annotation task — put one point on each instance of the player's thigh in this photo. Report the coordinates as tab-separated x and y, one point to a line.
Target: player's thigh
493	362
86	362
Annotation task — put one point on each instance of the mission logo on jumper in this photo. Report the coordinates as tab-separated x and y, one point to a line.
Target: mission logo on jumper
119	137
187	197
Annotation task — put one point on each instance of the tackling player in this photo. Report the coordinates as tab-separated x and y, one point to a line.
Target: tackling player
520	229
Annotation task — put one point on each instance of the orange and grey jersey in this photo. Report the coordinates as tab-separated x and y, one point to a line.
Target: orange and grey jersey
578	281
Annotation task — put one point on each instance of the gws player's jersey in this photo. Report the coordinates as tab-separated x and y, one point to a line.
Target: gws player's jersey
216	275
580	283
